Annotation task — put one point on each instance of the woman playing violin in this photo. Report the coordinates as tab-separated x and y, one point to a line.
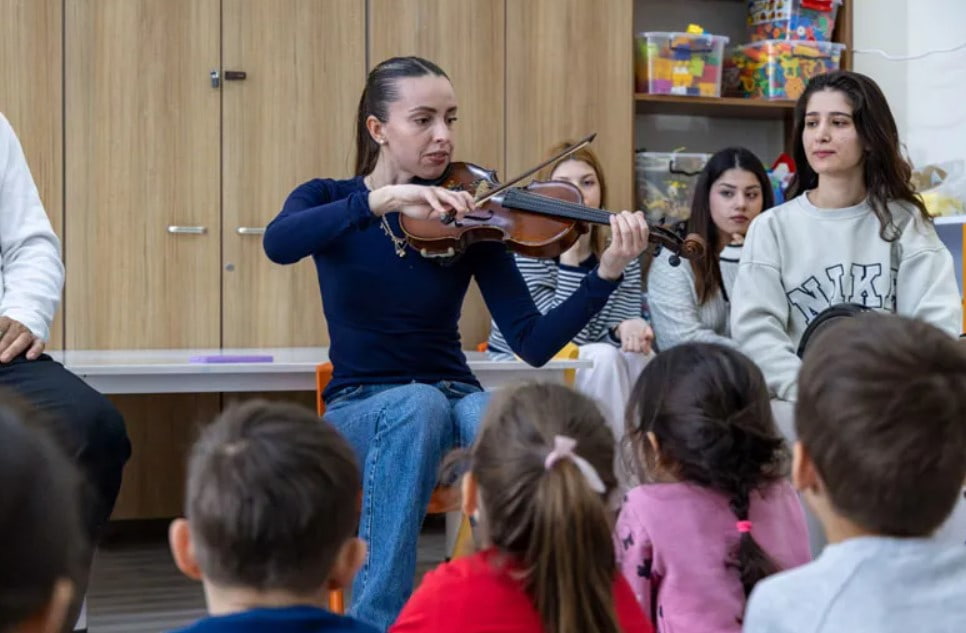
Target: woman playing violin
401	390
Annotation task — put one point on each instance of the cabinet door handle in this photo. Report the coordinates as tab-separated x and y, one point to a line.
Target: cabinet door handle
187	230
235	75
250	230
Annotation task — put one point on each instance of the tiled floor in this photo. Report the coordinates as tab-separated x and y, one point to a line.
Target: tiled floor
135	587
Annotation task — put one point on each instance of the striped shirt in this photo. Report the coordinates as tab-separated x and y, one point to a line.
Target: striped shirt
676	315
551	283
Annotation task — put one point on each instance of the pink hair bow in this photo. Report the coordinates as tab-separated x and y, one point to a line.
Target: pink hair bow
563	448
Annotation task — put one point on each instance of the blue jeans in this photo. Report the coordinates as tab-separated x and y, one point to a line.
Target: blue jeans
400	434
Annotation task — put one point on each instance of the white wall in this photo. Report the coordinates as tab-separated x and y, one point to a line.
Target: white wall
936	113
881	24
928	95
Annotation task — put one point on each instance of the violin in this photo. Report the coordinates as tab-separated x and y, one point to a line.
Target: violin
543	219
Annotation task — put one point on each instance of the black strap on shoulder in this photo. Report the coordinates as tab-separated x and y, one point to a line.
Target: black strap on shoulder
824	318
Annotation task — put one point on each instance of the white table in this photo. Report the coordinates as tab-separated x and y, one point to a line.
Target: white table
292	369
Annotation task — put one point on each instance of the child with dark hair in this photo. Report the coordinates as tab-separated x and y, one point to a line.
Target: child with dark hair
716	513
271	513
541	471
45	550
881	459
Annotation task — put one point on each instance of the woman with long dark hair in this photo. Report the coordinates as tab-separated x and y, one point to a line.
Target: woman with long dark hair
401	390
853	231
692	303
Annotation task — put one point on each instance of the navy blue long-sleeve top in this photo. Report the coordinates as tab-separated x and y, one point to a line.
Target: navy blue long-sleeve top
395	320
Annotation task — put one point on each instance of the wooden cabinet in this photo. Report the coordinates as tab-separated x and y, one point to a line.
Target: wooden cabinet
291	119
173	176
175	167
570	71
143	130
162	429
170	178
466	39
31	98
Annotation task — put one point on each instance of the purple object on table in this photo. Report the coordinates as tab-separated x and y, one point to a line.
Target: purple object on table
229	358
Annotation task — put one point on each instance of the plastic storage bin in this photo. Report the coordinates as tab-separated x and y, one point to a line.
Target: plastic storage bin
812	20
778	69
665	184
679	63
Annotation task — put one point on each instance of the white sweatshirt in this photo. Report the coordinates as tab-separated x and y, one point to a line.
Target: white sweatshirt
31	271
798	260
676	315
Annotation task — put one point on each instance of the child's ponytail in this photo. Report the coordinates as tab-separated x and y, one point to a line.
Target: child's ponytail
708	409
543	463
570	561
751	561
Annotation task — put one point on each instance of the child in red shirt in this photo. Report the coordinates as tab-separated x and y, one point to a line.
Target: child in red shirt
541	469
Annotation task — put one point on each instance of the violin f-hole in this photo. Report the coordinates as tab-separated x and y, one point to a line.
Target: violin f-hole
450	218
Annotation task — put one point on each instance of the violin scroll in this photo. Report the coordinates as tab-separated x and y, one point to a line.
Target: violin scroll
692	246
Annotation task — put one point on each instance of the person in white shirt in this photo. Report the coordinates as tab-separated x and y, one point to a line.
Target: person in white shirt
854	231
88	427
691	303
881	425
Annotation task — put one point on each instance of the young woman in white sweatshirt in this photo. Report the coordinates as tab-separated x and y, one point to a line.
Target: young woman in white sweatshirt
853	231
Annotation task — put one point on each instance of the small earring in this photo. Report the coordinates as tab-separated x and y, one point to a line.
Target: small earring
382	141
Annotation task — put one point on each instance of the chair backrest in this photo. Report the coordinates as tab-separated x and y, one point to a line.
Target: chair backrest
570	351
323	374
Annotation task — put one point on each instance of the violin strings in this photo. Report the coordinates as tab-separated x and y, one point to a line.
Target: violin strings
528	201
537	203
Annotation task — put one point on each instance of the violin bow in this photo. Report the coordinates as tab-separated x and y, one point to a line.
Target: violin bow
587	140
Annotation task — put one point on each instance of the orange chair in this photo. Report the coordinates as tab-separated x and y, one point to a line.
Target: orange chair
443	500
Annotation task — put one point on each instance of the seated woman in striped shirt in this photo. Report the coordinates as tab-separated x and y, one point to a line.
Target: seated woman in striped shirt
690	302
617	339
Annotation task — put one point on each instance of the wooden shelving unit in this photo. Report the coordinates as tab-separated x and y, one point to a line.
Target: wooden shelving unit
727	107
737	108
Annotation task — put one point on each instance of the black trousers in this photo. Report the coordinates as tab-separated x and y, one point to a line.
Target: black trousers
85	423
